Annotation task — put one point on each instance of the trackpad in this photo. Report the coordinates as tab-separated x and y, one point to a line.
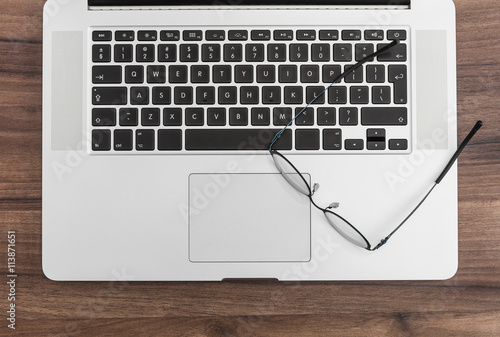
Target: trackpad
247	218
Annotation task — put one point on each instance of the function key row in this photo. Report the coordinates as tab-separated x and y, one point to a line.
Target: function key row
234	139
244	35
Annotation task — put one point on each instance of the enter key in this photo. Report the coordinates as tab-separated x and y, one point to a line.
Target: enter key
399	77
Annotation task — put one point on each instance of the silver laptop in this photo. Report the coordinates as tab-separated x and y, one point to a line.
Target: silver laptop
158	117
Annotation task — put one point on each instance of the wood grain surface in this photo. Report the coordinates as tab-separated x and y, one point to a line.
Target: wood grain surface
466	305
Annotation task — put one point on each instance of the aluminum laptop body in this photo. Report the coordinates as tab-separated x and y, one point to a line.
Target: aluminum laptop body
149	198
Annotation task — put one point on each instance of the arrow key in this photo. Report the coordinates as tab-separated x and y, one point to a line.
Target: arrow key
398	144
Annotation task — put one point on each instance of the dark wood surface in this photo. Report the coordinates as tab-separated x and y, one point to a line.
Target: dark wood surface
467	305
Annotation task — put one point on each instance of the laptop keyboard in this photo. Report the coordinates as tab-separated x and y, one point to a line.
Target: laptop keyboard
223	90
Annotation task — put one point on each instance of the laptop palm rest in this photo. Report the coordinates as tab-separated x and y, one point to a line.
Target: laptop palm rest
247	218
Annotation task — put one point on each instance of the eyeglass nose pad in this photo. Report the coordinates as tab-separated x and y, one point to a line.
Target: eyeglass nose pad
315	188
334	205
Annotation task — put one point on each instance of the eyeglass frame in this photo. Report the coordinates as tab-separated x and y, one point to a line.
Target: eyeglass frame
328	209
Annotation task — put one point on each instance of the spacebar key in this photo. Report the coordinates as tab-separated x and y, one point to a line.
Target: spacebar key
235	139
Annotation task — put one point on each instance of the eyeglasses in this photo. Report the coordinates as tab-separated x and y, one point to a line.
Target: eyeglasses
299	183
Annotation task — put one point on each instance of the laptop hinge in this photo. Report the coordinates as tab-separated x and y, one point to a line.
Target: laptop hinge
246	4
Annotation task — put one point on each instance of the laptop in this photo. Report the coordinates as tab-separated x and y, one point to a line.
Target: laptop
158	116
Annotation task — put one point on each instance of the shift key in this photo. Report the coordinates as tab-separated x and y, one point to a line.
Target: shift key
109	96
384	116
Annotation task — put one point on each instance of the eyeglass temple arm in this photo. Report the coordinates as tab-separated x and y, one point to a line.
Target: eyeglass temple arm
471	134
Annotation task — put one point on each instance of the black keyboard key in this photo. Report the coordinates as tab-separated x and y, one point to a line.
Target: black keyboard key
128	117
282	116
375	34
354	144
299	52
381	95
104	117
222	74
375	73
254	53
200	74
364	50
170	35
139	95
216	117
375	145
134	74
228	95
283	35
399	77
306	35
330	73
294	95
123	140
236	139
189	52
109	96
396	35
124	53
306	118
183	95
314	92
215	35
360	95
147	35
167	53
157	74
243	74
106	74
124	35
351	34
309	74
384	116
375	135
205	95
101	140
178	74
395	54
249	95
307	139
101	53
320	52
237	35
326	116
238	116
266	74
145	53
261	35
261	116
169	140
271	95
210	53
192	35
355	76
145	140
332	139
150	117
342	52
102	35
195	117
233	52
348	116
172	117
337	95
276	52
329	35
398	144
287	74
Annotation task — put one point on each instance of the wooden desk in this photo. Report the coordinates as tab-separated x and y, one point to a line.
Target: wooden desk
468	304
